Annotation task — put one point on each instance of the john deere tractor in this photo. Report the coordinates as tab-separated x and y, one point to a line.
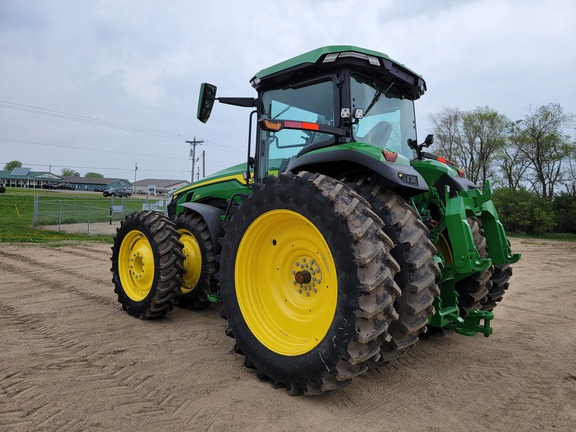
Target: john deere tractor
337	243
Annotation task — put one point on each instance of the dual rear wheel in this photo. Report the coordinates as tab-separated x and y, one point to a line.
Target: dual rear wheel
307	282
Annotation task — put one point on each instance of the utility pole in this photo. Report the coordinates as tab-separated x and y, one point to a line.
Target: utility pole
203	163
193	145
135	169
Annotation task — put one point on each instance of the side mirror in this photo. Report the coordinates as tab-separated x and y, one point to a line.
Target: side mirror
429	140
206	101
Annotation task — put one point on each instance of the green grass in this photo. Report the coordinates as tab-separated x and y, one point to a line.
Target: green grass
17	208
569	237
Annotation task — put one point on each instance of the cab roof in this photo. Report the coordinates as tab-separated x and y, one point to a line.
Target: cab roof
335	56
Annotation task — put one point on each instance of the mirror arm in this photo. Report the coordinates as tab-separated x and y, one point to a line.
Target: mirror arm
239	101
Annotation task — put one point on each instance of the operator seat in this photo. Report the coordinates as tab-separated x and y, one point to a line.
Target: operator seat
379	134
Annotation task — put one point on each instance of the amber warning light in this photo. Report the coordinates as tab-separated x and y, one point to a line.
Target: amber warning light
278	125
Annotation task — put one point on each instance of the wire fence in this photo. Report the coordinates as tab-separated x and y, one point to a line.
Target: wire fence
88	214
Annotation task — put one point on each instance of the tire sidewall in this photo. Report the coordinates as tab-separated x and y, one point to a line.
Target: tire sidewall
134	223
186	221
314	206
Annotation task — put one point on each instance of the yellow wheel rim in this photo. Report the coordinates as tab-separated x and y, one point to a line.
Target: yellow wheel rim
443	246
286	282
136	265
192	260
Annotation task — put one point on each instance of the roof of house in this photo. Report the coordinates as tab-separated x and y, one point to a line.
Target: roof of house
28	174
93	180
160	183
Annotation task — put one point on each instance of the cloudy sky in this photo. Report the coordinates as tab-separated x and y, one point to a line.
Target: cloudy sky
103	85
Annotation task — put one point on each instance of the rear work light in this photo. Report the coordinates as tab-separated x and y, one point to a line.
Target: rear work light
390	156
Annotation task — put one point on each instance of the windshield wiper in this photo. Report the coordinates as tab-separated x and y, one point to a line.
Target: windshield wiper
282	112
377	97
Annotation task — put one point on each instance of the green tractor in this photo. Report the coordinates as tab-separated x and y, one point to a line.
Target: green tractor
337	243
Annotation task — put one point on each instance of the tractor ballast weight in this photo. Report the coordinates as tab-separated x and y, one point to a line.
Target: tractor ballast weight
337	242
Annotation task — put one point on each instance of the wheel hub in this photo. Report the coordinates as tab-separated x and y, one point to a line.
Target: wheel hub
136	265
306	274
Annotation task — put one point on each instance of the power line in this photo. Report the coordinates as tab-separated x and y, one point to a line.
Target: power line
90	120
88	148
107	123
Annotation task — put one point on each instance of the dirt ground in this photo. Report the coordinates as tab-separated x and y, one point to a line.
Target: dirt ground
72	360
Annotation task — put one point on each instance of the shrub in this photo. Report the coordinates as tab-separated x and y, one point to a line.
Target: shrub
521	211
564	207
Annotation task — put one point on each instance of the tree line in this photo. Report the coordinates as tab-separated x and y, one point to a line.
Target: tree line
64	172
530	161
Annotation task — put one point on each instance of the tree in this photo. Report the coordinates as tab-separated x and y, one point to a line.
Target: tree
470	139
484	131
512	162
12	164
546	146
448	131
67	172
94	175
570	182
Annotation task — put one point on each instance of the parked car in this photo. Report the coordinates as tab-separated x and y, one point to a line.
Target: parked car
121	192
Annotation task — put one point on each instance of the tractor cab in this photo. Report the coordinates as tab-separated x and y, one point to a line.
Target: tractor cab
332	96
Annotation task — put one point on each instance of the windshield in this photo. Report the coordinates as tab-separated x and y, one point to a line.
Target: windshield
388	120
312	103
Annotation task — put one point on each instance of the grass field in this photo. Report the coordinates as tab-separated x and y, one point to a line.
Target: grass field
17	209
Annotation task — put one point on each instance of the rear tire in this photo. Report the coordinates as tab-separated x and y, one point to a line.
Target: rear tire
500	283
310	336
199	262
473	289
414	252
147	264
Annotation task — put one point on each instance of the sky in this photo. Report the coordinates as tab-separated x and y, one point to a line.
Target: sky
109	86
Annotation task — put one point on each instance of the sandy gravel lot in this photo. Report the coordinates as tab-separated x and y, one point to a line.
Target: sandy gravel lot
72	360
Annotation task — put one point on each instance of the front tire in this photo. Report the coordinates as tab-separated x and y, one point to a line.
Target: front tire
307	282
147	264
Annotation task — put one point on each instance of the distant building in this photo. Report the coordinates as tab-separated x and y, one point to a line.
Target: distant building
98	184
28	179
158	186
